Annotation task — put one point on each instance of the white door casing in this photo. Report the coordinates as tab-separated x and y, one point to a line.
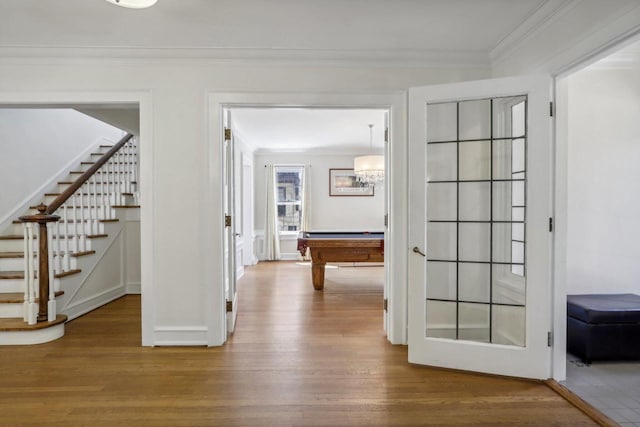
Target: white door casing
453	321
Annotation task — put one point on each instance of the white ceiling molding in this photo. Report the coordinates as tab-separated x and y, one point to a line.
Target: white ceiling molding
571	41
399	58
318	151
533	24
628	58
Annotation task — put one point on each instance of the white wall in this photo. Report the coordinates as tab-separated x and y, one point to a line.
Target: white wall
178	174
359	213
604	182
36	144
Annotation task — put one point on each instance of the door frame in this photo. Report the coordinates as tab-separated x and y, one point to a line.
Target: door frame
561	184
144	99
397	178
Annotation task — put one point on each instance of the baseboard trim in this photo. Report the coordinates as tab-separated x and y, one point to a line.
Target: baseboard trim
180	336
89	304
576	401
134	288
290	257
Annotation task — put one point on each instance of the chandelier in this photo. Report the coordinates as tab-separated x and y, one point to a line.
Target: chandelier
134	4
369	169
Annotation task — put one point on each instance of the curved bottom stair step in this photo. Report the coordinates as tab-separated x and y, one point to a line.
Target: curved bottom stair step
17	324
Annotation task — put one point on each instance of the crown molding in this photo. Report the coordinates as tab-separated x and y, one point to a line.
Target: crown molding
397	58
536	22
618	61
318	151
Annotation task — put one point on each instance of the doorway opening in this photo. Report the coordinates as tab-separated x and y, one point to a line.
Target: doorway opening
600	127
79	158
290	170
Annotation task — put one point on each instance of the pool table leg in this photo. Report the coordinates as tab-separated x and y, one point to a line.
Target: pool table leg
317	275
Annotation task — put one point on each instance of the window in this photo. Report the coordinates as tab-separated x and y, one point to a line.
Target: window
289	191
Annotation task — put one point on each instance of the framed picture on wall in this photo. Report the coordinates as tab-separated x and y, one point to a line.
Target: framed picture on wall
343	182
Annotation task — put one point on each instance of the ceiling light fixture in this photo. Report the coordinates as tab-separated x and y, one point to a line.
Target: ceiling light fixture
134	4
369	168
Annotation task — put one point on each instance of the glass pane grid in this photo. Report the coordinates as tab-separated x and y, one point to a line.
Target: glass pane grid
489	191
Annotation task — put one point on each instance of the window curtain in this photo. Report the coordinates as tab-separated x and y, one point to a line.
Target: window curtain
305	223
271	232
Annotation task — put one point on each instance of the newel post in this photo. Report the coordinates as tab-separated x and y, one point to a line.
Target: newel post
42	218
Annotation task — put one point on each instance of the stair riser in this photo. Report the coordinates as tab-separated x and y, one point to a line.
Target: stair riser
87	211
84	228
11	285
86	200
12	264
16	245
10	310
62	263
73	229
108	188
11	245
74	245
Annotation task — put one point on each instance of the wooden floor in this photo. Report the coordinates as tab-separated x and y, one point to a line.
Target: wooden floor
297	358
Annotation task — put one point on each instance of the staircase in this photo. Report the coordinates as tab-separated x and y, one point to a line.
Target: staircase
48	255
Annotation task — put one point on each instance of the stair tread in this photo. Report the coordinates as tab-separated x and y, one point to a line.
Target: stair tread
106	182
67	273
59	210
83	253
96	236
125	206
18	297
20	274
71	221
18	324
12	254
11	274
88	194
12	237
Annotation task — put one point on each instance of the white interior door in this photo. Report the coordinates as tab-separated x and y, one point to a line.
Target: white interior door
480	243
229	229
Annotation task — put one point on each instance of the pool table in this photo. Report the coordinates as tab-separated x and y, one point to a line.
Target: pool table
339	247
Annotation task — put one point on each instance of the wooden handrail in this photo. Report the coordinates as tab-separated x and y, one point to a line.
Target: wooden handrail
71	190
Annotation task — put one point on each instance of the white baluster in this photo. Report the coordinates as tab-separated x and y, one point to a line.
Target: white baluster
93	201
55	246
51	303
92	213
76	234
32	309
27	271
67	247
82	243
125	156
102	194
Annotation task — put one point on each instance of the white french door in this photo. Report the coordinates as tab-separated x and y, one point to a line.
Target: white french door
480	165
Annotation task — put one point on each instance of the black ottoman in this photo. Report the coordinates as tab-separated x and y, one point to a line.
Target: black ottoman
604	326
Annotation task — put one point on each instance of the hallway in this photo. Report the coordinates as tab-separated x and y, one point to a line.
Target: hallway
298	358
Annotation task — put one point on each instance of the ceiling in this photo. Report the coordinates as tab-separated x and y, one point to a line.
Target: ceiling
471	32
320	130
354	27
